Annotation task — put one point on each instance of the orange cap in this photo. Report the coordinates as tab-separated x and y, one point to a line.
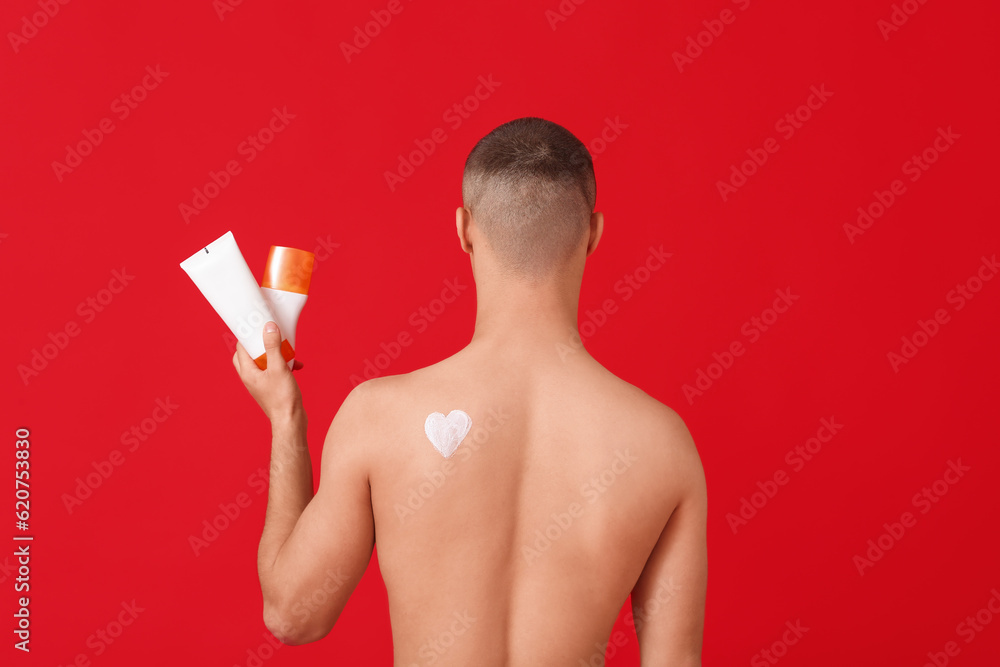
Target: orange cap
288	269
287	353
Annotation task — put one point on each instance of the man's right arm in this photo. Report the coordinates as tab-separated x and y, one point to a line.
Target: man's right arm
668	600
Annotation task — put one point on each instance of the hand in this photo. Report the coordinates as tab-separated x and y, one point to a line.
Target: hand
275	390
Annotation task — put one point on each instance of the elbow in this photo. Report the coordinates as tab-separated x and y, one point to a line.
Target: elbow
287	629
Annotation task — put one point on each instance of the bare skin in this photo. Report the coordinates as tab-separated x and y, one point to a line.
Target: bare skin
572	490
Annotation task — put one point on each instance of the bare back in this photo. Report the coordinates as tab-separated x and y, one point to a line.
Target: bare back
523	545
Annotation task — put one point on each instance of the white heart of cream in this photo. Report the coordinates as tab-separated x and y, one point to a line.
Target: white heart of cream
446	433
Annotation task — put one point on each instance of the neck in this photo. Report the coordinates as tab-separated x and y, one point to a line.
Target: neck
519	315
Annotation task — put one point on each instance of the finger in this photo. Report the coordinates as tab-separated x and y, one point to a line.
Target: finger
297	365
272	345
242	359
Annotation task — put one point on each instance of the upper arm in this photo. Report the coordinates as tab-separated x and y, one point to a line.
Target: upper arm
331	545
668	600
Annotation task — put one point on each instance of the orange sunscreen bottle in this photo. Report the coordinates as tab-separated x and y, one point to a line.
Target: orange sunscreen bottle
286	285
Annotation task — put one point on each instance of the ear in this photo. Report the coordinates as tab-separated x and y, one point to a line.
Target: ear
596	229
463	218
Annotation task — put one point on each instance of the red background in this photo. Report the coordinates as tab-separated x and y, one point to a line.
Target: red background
322	180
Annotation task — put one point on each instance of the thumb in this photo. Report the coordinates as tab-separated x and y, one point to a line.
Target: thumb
272	345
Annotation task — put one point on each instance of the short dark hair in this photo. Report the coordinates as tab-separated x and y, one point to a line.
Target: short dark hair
530	187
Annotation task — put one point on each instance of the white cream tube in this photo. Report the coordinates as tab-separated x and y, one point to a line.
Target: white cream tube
286	286
221	273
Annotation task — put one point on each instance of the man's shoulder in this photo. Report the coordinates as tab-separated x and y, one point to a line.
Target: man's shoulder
653	421
391	387
372	398
379	413
641	405
368	395
411	385
364	415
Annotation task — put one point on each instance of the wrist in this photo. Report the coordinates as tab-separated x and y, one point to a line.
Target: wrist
292	419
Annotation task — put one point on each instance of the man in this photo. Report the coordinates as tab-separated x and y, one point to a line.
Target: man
570	489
